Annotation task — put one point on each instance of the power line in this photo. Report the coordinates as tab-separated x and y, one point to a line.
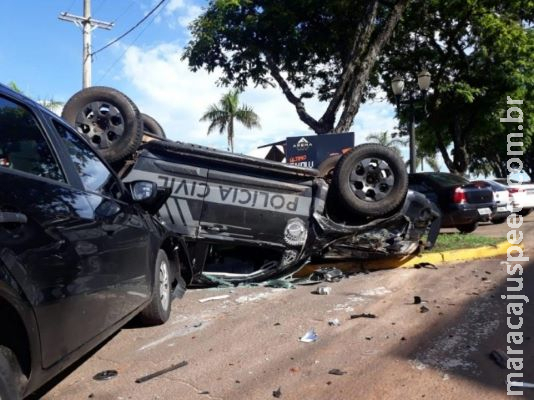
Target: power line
129	30
129	47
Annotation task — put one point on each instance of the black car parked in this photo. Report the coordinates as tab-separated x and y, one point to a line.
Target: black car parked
463	204
80	252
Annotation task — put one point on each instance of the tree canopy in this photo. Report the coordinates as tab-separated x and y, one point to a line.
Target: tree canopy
310	48
479	52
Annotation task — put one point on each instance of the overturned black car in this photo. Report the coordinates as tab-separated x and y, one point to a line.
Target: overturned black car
249	219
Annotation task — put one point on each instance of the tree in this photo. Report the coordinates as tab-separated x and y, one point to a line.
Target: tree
310	48
51	104
479	52
222	116
384	139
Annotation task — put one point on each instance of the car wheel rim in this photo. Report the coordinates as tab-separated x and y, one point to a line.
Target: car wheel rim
164	285
372	179
101	122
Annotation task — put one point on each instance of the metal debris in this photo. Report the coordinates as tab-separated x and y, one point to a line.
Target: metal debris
500	358
425	265
221	297
325	290
277	393
309	336
336	371
105	375
363	315
327	274
161	372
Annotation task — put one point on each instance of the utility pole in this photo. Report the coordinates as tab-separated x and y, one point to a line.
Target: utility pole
87	24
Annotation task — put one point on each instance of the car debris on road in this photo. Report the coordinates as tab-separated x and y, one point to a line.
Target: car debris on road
221	297
363	315
309	336
161	372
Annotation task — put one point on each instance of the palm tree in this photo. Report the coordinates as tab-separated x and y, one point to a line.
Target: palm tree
384	139
228	110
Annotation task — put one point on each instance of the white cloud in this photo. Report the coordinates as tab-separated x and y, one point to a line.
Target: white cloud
179	13
165	88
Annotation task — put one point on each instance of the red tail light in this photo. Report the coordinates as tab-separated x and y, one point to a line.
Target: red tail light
459	196
516	190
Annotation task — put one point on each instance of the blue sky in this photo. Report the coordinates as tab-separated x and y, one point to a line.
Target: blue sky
43	56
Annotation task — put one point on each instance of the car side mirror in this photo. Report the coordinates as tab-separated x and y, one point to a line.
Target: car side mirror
143	191
148	195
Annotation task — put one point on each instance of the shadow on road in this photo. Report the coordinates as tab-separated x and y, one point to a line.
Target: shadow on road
461	343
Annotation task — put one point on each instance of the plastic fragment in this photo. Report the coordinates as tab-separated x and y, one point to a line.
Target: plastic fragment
336	371
105	375
224	296
309	336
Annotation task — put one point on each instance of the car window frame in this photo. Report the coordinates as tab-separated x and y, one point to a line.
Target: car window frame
50	140
125	197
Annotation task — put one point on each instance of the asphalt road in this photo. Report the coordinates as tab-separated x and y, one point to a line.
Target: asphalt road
247	345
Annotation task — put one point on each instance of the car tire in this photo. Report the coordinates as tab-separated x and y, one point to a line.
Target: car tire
151	127
11	377
159	309
370	181
109	120
327	168
468	228
525	211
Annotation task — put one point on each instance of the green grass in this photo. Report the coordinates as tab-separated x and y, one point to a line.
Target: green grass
455	241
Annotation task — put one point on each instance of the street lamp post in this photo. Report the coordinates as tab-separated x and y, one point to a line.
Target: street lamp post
397	86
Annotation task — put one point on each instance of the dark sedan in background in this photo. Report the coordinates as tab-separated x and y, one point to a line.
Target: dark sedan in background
463	204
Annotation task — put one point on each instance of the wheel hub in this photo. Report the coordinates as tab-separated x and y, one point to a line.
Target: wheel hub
372	179
102	123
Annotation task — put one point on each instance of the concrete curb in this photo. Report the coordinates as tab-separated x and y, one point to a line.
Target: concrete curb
410	261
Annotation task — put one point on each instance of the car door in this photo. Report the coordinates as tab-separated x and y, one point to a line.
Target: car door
123	236
49	239
246	215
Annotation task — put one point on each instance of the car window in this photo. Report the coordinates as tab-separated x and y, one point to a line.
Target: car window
95	176
448	179
23	145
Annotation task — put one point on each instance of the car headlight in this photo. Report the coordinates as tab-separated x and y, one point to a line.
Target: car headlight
295	232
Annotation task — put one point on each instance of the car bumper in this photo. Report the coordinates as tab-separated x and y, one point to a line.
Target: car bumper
466	214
